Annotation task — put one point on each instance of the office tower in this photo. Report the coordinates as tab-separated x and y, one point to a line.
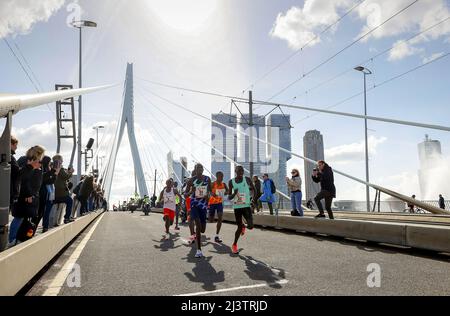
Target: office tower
278	133
259	148
224	139
312	149
430	156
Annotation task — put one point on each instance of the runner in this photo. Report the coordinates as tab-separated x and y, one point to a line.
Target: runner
168	197
216	203
188	211
239	192
199	188
178	207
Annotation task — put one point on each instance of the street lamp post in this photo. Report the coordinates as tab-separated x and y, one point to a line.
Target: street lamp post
366	72
80	25
96	128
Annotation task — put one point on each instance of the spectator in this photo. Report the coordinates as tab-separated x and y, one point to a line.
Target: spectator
48	178
62	193
28	201
269	190
324	176
295	189
85	192
256	203
15	173
48	191
441	202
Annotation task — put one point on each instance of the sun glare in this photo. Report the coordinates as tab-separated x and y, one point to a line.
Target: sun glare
184	15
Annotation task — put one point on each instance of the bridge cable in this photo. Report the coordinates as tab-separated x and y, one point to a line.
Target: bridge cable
317	36
342	50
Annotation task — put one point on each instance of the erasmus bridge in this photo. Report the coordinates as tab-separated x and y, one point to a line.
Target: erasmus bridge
122	253
118	253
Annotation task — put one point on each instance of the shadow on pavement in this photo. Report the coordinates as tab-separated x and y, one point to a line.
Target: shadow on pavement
256	269
203	272
167	244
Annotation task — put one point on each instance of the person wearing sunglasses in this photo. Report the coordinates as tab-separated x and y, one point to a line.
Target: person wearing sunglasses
295	189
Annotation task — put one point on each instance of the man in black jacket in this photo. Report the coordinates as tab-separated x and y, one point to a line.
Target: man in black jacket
15	172
441	202
324	176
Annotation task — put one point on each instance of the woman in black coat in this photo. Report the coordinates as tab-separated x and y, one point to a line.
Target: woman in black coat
30	183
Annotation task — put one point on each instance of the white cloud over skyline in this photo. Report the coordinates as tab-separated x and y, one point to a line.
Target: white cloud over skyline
353	152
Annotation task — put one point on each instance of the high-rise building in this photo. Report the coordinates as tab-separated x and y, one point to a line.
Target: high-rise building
430	155
278	133
174	168
224	139
312	149
259	148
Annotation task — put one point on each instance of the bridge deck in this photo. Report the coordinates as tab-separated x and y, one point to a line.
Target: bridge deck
124	256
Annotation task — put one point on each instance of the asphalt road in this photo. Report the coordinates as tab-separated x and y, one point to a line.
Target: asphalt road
124	255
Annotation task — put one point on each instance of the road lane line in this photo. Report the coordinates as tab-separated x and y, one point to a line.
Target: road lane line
281	282
58	282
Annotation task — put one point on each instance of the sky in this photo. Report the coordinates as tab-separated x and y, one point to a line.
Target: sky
227	47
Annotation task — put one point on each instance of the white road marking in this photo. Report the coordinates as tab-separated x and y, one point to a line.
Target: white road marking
281	282
58	282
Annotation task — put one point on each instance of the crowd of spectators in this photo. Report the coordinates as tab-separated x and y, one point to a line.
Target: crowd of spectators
42	194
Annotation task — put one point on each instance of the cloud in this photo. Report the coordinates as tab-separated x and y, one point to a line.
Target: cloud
417	17
353	152
19	16
432	57
298	26
403	49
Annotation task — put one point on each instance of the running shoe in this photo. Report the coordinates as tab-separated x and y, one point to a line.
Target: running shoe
218	240
320	216
234	249
243	231
199	254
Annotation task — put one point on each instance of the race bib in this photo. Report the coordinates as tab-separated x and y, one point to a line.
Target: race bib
220	193
240	199
169	199
201	191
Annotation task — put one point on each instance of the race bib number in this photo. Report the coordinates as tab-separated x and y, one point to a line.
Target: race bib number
169	199
201	191
220	193
240	199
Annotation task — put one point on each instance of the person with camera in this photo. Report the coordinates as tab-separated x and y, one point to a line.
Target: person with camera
62	193
295	188
324	175
27	204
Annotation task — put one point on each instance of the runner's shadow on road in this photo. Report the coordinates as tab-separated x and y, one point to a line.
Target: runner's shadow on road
256	269
260	271
167	244
203	272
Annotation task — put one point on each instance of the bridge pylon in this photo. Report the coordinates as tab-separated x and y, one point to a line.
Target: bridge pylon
126	119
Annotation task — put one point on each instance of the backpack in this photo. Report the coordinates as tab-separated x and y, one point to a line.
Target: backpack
26	231
272	187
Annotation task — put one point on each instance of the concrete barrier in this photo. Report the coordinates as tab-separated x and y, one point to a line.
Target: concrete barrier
429	237
20	264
